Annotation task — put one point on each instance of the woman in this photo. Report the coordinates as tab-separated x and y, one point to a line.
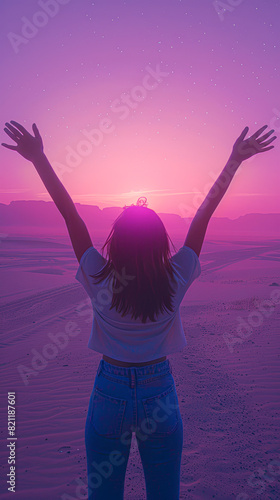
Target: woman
136	294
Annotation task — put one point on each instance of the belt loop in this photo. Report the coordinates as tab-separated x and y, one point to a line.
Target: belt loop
99	369
132	378
170	366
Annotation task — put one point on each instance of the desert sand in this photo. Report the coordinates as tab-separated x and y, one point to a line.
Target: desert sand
227	377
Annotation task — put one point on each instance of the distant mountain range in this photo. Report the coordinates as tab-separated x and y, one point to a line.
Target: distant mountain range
42	217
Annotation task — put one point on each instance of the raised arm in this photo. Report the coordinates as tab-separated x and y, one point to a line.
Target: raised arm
242	150
31	148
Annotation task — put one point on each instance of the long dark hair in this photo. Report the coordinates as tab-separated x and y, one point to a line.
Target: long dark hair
138	256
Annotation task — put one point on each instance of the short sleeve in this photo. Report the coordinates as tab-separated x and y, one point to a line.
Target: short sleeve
187	268
187	264
91	262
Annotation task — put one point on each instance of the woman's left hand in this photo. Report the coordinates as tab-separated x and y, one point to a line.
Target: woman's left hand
27	146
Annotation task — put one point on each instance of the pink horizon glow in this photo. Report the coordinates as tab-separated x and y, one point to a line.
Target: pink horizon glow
168	143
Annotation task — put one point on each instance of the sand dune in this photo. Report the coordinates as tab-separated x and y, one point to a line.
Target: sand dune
228	389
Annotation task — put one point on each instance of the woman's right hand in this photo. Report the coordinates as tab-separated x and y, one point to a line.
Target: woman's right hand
245	148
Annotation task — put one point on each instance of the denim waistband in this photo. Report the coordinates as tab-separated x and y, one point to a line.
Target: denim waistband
153	369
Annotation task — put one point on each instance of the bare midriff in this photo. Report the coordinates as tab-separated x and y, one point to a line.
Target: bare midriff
127	364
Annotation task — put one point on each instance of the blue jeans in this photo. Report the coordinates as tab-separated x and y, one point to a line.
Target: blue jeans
142	400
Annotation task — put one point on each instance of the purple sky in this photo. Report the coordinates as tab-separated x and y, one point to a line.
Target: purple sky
90	65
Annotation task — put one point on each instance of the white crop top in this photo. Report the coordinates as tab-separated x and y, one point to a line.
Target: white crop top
127	339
